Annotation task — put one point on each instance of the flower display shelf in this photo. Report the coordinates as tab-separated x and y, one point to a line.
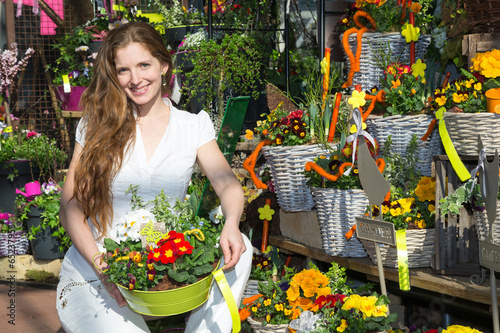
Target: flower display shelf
401	129
287	170
258	328
483	226
420	246
337	211
376	47
463	131
168	302
13	243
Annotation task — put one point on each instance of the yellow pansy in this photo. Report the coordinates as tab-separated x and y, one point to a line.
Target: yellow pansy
248	134
395	84
441	100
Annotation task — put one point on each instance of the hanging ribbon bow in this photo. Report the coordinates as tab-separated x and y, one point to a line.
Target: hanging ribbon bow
480	166
450	150
356	117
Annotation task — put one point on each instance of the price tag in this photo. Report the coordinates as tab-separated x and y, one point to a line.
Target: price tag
66	85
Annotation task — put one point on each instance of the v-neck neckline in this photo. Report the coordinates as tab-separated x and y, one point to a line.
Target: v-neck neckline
140	141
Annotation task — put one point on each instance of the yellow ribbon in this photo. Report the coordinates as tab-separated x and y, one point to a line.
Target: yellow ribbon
403	270
66	84
228	296
455	160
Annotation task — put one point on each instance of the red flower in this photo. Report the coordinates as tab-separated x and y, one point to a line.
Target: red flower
31	134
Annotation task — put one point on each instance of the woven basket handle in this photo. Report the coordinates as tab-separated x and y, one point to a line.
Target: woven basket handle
250	162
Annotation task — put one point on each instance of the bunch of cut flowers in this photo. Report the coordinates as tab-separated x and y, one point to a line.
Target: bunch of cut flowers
143	257
338	169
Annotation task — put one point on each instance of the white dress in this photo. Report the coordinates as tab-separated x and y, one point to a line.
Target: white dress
83	304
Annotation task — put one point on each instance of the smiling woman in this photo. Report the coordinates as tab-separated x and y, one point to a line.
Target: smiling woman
131	135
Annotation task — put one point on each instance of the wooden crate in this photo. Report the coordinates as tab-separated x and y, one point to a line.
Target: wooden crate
474	43
456	237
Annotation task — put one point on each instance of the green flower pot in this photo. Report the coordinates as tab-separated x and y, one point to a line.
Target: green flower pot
168	302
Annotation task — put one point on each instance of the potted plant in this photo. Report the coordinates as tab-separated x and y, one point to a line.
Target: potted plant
160	255
26	156
13	236
48	238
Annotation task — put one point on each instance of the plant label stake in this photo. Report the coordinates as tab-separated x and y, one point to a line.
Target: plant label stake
375	187
488	251
266	215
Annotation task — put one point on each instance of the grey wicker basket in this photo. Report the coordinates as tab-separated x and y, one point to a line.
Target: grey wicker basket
401	129
375	48
337	211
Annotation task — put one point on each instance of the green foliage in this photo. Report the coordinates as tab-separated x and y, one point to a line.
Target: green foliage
233	63
41	276
452	203
49	204
41	151
401	171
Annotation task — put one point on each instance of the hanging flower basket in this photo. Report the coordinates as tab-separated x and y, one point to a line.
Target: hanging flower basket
379	47
168	302
420	246
401	129
258	328
337	211
13	243
463	131
287	170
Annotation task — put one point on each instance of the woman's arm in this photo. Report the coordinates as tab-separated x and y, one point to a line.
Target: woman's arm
74	222
230	193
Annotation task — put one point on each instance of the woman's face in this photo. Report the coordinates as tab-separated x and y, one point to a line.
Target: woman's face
139	73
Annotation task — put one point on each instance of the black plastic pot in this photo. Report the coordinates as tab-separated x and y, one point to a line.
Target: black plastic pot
8	188
44	246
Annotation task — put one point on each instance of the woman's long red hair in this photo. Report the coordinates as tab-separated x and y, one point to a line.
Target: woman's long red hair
110	122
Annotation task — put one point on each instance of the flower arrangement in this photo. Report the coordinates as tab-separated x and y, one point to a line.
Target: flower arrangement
9	223
177	15
465	93
332	171
405	88
48	203
193	41
186	252
313	301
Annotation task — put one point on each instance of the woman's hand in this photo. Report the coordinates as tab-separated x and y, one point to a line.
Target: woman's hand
110	287
232	245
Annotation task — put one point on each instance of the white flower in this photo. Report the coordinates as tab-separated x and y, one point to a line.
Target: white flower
216	215
129	226
82	48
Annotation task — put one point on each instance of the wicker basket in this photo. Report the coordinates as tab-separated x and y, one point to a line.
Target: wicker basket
401	129
287	170
258	328
420	246
463	131
483	226
13	243
252	288
375	47
337	211
483	15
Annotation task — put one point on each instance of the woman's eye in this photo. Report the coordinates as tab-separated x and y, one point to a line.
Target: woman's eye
145	65
122	70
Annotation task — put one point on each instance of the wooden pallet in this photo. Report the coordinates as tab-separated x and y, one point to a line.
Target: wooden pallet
474	43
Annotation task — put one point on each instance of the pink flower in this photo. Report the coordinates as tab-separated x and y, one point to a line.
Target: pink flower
32	134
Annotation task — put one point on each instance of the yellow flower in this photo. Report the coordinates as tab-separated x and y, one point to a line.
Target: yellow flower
266	213
460	329
441	100
395	84
418	68
279	307
357	99
354	128
267	302
431	208
421	224
478	86
343	326
268	318
458	98
254	309
249	134
287	312
413	91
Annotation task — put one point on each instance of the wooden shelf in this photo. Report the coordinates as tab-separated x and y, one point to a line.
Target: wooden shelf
72	114
424	278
